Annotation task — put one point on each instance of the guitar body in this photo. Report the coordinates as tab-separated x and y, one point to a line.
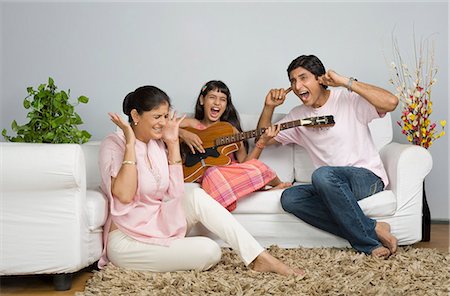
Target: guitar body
194	165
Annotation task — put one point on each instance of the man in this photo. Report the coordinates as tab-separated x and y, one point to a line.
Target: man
348	166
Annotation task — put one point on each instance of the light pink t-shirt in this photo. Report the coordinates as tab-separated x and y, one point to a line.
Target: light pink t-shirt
347	143
155	216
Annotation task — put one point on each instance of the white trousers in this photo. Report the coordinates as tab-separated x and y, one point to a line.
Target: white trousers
198	253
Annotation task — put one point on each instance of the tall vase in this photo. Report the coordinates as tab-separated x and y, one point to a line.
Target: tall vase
426	218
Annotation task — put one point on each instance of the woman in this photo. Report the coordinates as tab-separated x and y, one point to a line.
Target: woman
245	174
149	212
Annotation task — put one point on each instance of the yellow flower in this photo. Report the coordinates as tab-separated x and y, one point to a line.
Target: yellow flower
409	137
442	134
424	132
443	123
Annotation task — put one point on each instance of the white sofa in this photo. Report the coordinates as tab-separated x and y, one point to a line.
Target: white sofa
52	210
400	205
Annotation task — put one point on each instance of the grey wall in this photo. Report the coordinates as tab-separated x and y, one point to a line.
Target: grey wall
104	50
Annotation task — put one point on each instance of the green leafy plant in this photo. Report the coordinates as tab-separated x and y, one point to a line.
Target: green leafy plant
52	117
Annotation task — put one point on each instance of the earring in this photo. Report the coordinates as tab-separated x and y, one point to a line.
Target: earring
135	123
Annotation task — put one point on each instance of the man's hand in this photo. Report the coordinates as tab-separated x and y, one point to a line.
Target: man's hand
276	97
331	78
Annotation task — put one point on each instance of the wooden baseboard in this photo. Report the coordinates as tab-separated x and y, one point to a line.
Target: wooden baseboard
439	221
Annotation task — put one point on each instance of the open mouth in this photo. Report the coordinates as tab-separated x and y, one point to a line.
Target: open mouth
214	112
304	95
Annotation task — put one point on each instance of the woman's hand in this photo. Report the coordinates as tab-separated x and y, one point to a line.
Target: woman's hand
192	141
170	131
130	138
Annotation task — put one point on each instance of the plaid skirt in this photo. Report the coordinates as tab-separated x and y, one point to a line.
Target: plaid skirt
228	183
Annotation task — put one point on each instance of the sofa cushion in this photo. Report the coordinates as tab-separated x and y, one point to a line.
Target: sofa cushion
91	150
381	131
303	165
268	202
97	209
279	158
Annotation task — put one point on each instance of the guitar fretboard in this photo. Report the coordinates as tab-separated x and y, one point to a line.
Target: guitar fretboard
313	121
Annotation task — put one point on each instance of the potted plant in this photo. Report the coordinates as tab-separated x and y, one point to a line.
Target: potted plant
52	118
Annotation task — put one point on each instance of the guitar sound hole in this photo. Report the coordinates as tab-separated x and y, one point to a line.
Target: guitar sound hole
193	159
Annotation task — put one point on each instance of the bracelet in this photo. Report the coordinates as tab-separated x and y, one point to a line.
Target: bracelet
259	145
350	83
129	162
174	161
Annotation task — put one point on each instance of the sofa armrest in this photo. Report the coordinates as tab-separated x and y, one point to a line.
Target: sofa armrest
406	166
44	217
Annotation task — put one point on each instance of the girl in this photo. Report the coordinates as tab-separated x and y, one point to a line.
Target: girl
245	174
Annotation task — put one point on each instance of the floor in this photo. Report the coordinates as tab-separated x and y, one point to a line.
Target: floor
43	285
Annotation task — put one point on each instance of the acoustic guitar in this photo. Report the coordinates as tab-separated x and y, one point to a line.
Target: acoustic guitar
218	147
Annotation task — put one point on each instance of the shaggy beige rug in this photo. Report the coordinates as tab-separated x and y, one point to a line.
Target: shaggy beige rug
411	271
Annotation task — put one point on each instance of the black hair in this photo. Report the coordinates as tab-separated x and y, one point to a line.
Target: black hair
229	115
144	98
310	63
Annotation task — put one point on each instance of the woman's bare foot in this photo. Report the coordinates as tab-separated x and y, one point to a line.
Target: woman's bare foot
267	263
385	236
381	252
282	185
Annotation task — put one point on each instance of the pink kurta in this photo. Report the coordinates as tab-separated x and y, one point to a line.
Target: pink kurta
155	215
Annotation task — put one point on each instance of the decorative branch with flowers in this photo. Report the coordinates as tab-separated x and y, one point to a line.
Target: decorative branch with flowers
414	92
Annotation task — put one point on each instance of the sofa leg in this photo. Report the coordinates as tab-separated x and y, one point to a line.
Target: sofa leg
62	281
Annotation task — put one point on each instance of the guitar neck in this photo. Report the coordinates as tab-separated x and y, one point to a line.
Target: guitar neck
312	121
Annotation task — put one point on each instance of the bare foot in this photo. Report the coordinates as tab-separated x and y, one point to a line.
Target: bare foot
381	252
385	236
267	263
282	185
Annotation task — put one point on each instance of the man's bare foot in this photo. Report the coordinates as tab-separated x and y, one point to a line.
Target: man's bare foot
282	185
385	236
267	263
381	252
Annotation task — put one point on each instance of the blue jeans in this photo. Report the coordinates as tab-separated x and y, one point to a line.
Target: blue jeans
331	204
